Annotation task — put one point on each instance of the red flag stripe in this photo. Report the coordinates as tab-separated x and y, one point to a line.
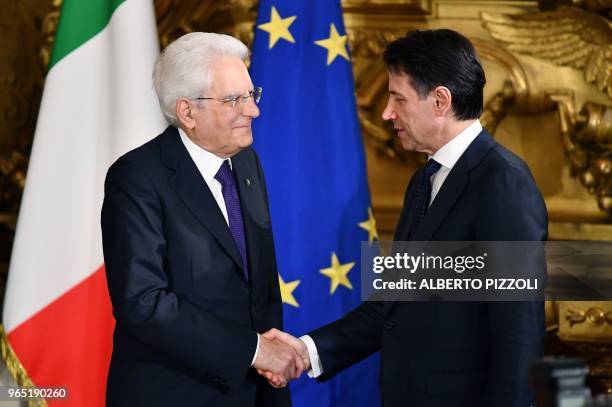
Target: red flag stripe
69	343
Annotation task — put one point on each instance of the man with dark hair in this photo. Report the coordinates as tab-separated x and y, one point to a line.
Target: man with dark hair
431	58
471	189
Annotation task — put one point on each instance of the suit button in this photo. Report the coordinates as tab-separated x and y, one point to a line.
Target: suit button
253	310
389	325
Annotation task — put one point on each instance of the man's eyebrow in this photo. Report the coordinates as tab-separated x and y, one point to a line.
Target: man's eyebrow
394	93
237	93
232	95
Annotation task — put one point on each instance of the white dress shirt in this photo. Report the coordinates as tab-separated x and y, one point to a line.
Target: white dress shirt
208	164
447	156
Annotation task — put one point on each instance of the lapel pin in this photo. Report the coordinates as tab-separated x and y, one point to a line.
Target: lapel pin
247	182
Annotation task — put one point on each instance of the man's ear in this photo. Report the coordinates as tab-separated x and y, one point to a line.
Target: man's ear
184	113
443	101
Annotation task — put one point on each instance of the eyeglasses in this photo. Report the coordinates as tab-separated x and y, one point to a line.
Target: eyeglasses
233	100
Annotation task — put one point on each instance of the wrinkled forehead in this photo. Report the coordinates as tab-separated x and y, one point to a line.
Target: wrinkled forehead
229	76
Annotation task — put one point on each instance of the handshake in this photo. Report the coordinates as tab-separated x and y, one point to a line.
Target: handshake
281	357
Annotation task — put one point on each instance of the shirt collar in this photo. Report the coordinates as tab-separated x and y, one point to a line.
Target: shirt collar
450	152
208	163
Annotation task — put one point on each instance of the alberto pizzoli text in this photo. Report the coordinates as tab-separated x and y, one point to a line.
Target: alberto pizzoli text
458	284
457	264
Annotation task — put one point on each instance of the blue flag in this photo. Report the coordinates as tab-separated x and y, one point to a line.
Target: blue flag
309	142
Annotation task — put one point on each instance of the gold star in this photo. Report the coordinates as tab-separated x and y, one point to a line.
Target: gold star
278	28
287	289
337	273
335	45
370	226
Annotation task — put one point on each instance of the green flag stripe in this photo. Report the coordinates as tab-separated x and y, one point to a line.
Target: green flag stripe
80	20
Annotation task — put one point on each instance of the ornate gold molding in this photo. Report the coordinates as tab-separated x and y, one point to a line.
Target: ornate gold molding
566	37
411	7
587	141
582	40
233	17
595	316
48	29
13	166
585	321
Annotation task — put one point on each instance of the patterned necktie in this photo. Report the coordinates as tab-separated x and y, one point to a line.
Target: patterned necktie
234	211
422	195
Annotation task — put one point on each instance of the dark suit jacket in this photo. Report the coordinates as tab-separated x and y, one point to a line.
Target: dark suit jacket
186	318
454	354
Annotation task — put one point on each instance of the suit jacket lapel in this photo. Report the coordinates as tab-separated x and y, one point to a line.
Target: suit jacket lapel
445	199
453	186
406	215
193	190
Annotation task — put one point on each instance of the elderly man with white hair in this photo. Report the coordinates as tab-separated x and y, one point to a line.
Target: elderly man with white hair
188	244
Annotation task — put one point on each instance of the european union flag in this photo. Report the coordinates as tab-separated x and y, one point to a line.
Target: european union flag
309	142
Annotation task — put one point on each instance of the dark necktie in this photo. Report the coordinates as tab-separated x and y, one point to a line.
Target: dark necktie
422	196
234	212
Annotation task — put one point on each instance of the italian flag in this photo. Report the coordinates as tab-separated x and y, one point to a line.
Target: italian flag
98	103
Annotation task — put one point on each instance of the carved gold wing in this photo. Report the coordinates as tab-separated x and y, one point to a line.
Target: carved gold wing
568	36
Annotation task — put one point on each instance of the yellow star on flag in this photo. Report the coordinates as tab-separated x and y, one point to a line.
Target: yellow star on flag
370	226
338	273
335	45
278	28
287	289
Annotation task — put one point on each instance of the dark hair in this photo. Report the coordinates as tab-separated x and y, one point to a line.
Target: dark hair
444	57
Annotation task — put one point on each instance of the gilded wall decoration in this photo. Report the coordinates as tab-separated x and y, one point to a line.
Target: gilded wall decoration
234	17
569	36
583	40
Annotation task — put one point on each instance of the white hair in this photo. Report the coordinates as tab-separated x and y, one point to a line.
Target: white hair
183	70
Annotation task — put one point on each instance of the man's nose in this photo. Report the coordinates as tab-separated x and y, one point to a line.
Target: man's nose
389	113
250	108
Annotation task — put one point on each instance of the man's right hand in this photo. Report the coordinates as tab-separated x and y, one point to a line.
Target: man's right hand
297	345
280	360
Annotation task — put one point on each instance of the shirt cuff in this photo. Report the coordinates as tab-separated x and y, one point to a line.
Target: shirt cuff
316	369
256	351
